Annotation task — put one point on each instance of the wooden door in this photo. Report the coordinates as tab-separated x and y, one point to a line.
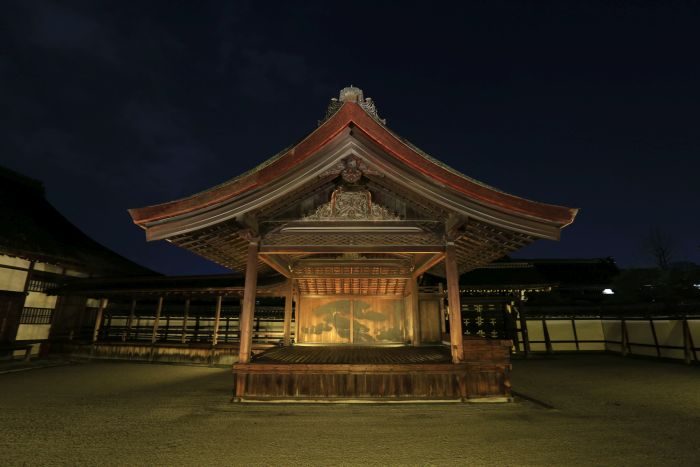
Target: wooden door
11	304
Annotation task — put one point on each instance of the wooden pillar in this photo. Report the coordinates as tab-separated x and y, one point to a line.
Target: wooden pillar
573	327
415	312
548	340
441	303
288	298
130	321
453	300
297	320
688	346
217	320
159	310
523	326
624	339
183	337
248	307
656	339
98	319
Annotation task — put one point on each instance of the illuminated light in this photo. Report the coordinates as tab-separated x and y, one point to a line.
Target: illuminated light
608	292
697	286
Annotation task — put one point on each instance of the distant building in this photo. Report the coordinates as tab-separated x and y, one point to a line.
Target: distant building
40	249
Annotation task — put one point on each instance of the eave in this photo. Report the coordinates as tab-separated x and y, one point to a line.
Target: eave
350	118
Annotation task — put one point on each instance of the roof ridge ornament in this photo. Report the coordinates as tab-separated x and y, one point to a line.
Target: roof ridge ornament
352	94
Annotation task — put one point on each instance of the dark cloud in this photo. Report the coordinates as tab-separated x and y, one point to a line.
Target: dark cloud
594	105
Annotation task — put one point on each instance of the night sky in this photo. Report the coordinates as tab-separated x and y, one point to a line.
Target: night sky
594	105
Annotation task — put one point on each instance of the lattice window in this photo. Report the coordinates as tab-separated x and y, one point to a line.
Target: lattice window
31	315
41	285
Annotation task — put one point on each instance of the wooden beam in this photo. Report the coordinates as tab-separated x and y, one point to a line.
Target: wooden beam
427	264
217	321
311	249
248	307
288	298
159	310
454	303
275	264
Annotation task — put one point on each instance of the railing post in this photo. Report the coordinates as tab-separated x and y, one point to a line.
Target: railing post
98	319
156	321
653	334
547	339
183	336
130	321
688	345
523	328
217	320
624	338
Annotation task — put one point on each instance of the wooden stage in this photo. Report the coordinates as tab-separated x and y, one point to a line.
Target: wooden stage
379	374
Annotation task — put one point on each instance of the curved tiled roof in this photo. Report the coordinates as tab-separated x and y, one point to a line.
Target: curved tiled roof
351	114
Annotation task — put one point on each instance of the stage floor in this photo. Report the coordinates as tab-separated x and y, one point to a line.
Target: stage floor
353	355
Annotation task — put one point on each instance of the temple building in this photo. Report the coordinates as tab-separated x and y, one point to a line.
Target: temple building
343	225
39	250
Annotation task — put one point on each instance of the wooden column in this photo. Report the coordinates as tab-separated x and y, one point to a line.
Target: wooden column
523	326
98	319
624	339
453	300
441	303
248	307
288	298
297	310
415	312
688	346
159	309
217	320
130	321
183	337
548	340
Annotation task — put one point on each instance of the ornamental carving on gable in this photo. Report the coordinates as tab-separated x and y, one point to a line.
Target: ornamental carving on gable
351	205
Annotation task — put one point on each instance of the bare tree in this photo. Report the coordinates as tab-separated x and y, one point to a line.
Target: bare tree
660	246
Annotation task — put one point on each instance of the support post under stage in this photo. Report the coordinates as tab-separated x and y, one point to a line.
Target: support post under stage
453	300
248	308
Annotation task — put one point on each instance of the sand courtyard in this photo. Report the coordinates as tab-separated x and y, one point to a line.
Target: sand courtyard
568	410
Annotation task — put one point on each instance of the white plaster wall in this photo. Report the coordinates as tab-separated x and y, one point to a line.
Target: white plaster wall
92	303
40	300
12	261
12	279
561	329
31	332
535	332
590	330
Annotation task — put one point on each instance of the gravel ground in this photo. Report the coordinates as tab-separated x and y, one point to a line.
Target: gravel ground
605	411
